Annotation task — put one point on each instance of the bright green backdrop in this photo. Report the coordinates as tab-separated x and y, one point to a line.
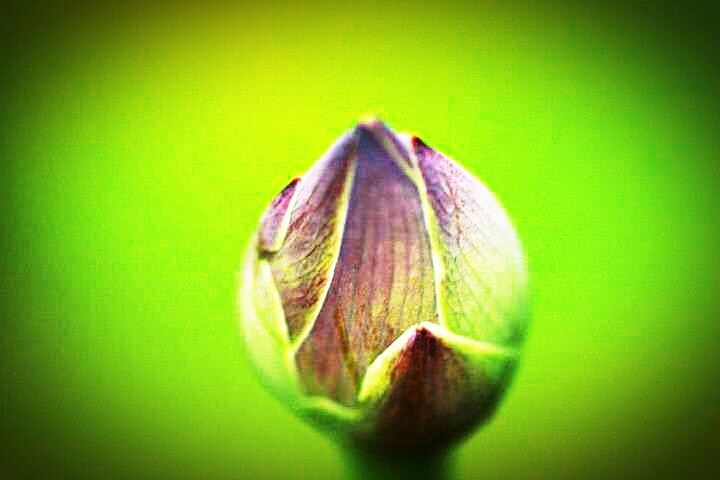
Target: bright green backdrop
141	147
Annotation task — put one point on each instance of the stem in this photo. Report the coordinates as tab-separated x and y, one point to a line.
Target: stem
419	467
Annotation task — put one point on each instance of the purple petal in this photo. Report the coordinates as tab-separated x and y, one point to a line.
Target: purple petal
273	219
303	266
435	395
383	280
483	289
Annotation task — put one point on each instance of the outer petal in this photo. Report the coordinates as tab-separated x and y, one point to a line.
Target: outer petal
264	328
383	280
431	387
304	259
483	285
276	220
269	348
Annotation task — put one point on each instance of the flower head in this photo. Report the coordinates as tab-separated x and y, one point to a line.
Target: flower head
384	295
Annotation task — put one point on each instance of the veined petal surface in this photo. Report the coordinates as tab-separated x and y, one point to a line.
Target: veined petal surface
302	266
383	280
275	221
430	387
483	288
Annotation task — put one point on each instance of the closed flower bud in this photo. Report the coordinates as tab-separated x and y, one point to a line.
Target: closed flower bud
384	295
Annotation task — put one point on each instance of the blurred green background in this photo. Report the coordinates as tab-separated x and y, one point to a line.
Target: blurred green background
140	145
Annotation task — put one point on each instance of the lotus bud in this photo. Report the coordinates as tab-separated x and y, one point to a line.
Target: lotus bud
384	295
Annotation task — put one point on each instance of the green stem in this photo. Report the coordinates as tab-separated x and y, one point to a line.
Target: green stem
420	467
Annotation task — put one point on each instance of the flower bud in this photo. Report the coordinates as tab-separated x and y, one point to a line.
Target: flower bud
384	294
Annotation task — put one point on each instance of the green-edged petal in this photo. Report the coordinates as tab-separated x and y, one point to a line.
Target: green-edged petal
263	326
482	277
383	280
276	220
311	226
431	387
270	350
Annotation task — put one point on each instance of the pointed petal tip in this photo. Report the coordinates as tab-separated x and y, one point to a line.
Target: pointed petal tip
422	333
370	125
373	131
369	119
273	223
422	344
290	185
418	145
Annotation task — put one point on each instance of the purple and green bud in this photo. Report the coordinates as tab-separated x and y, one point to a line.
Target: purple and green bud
385	294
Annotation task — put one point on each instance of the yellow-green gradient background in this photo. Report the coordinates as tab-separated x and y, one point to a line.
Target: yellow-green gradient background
140	144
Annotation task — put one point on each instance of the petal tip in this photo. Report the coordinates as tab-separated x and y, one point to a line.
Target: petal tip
418	145
369	120
422	333
372	126
373	131
273	223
